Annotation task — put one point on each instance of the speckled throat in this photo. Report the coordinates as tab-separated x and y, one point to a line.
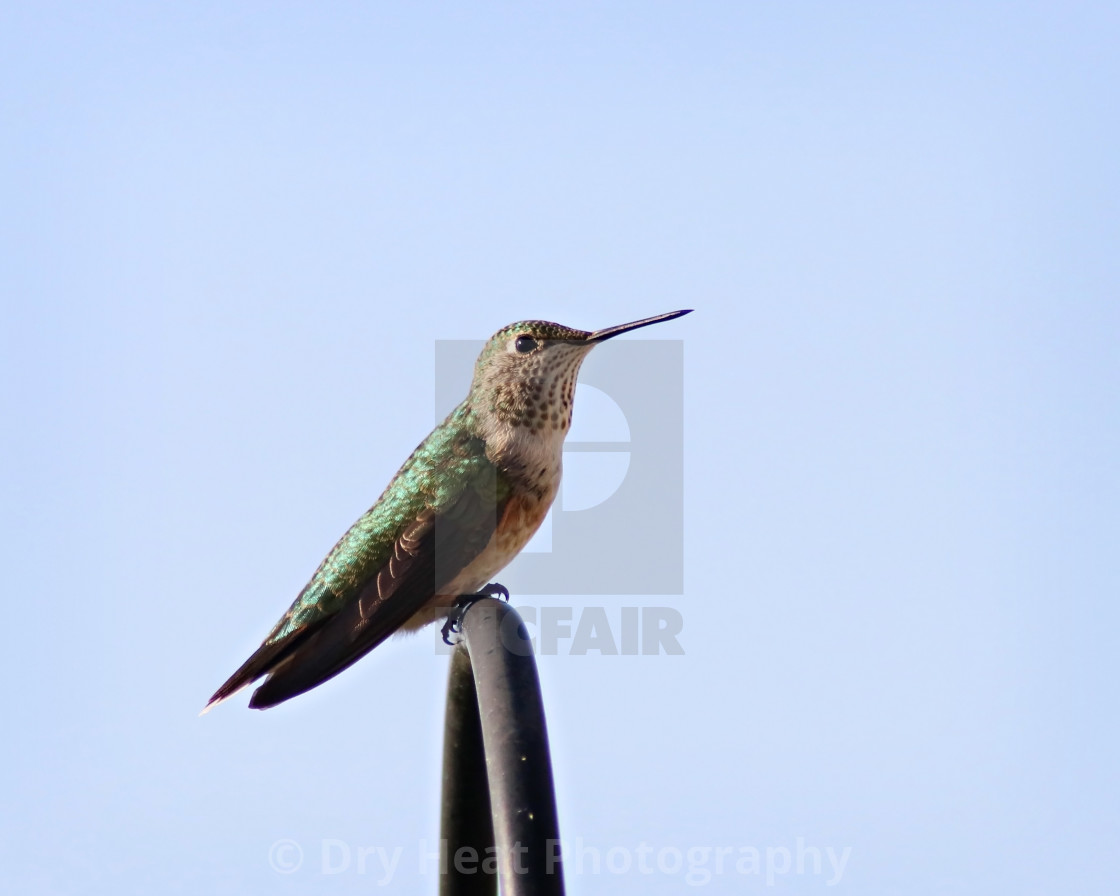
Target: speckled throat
540	397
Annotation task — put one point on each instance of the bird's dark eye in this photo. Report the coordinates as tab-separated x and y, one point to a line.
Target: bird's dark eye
525	344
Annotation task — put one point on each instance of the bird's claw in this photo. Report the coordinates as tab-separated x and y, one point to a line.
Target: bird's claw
494	590
451	626
454	623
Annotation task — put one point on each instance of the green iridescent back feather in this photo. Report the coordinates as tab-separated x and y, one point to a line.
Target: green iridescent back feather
449	461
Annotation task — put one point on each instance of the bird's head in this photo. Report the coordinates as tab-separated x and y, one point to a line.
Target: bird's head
526	374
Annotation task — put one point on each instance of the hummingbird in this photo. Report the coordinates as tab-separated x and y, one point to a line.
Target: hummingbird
458	510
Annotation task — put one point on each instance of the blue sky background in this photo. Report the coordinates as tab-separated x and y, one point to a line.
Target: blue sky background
232	233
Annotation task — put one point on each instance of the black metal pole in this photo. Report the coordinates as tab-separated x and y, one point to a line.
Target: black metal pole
509	713
465	826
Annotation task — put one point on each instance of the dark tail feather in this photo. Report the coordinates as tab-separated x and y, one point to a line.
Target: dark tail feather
339	643
266	658
298	674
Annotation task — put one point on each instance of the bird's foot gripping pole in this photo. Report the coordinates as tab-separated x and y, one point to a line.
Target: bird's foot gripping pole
454	622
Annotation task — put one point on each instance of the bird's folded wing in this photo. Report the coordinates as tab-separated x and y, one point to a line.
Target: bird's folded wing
424	556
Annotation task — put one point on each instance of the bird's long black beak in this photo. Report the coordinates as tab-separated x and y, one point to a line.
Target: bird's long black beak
610	332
